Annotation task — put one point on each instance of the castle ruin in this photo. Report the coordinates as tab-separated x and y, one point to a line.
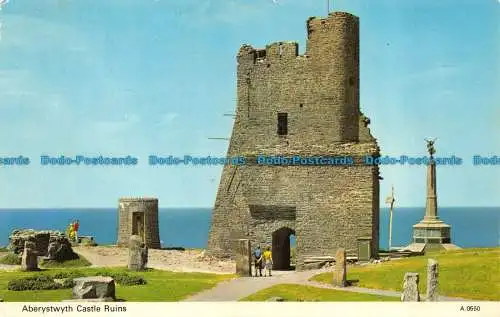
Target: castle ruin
308	105
139	216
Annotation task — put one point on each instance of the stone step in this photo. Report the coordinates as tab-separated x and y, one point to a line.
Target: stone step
327	259
104	299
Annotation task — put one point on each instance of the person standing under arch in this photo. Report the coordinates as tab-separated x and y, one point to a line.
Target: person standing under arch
268	261
257	258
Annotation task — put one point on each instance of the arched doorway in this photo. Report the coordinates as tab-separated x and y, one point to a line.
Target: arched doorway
281	248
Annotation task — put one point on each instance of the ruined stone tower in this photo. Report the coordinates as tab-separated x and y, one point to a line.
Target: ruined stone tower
307	105
139	216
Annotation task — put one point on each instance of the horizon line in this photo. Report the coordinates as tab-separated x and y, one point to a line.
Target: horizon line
3	209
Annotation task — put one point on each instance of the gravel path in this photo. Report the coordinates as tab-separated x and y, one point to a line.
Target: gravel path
236	289
6	267
171	260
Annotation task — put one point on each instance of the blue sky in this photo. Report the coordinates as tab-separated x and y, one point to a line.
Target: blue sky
143	77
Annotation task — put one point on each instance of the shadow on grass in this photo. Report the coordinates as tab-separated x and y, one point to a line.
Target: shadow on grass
352	282
37	270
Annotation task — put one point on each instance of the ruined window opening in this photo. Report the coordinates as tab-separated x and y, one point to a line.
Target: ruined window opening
301	105
282	123
351	81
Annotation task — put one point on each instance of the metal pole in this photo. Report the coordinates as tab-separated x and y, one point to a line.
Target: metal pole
225	139
390	230
390	219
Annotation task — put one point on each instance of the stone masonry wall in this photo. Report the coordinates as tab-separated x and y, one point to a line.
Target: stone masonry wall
327	206
147	206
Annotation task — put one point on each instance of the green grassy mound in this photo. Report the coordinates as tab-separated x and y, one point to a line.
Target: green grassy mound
466	273
10	259
64	279
80	262
161	286
303	293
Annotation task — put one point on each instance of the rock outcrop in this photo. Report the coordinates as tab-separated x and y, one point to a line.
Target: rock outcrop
52	244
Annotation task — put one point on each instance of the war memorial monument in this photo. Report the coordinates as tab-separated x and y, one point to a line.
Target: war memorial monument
431	231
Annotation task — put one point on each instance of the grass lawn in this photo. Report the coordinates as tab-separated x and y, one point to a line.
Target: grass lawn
14	259
81	262
294	292
161	286
9	258
467	273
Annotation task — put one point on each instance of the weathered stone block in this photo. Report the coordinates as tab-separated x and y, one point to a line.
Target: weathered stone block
102	287
138	254
51	252
29	260
432	280
314	266
87	240
243	257
340	269
84	292
144	257
410	288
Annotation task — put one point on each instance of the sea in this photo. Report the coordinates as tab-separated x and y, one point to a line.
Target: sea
189	227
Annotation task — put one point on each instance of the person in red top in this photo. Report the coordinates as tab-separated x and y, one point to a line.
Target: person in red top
76	226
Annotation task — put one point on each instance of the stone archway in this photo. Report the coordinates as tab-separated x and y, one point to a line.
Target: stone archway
281	248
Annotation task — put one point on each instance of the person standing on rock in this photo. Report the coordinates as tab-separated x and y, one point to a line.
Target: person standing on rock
71	231
268	260
76	227
68	230
257	258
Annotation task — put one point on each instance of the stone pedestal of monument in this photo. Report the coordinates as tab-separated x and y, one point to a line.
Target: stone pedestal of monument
431	232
